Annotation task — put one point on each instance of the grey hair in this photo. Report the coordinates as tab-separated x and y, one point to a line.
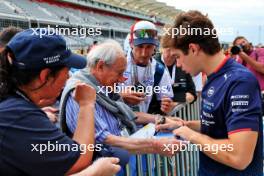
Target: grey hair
107	52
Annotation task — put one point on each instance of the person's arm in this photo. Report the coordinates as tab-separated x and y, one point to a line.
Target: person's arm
84	133
259	67
142	146
193	124
242	126
144	118
236	151
173	123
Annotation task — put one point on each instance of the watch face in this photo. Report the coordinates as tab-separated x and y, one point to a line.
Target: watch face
161	120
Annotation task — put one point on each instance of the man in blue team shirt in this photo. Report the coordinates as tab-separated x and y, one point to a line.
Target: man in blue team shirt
230	130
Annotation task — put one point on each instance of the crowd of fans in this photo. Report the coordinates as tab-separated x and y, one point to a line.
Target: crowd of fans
49	95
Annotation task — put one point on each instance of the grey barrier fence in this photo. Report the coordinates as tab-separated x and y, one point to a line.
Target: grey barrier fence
184	163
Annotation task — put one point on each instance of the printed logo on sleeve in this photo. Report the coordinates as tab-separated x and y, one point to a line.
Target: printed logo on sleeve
239	103
210	92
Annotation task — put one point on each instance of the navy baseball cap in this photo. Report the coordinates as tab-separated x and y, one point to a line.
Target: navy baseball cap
42	48
144	32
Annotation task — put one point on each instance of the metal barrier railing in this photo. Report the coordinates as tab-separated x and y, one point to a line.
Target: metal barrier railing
184	163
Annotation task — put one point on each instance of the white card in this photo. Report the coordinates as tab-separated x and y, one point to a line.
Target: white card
145	132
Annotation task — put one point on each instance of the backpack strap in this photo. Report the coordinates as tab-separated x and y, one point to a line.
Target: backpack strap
154	106
62	114
159	70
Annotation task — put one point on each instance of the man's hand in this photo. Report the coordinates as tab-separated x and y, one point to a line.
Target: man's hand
101	167
132	97
106	166
189	97
170	124
84	94
167	146
167	105
184	132
242	55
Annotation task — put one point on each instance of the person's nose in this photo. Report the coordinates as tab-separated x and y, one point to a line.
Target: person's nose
122	79
178	63
143	52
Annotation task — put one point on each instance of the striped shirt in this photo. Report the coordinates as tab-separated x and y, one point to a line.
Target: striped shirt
105	121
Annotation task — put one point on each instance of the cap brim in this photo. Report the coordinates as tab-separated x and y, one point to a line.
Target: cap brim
145	41
75	61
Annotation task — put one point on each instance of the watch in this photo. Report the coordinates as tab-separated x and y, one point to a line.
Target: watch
161	119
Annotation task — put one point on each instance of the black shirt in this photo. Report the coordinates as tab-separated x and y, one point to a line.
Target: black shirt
24	131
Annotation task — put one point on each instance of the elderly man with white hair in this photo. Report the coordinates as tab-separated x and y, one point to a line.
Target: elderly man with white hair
113	118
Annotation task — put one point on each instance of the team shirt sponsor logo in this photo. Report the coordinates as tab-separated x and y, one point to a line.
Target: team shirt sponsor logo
207	105
207	122
210	92
209	115
226	76
239	103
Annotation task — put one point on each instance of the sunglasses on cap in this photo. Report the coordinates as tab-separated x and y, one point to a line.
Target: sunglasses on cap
145	33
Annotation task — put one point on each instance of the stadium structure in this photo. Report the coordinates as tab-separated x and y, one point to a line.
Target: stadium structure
112	17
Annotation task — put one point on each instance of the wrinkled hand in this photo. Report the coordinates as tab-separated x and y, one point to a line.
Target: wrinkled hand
106	166
132	97
51	112
167	105
101	167
167	146
84	94
170	124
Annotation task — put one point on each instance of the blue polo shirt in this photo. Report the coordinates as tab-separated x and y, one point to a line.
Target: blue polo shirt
231	103
23	128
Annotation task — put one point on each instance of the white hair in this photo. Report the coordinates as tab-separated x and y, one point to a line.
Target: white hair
107	52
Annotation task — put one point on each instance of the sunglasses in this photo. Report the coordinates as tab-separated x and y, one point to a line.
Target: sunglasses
145	33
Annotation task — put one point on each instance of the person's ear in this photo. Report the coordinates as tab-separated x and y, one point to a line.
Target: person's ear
194	48
100	65
44	75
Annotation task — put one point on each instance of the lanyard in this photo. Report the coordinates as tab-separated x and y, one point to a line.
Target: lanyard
173	71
